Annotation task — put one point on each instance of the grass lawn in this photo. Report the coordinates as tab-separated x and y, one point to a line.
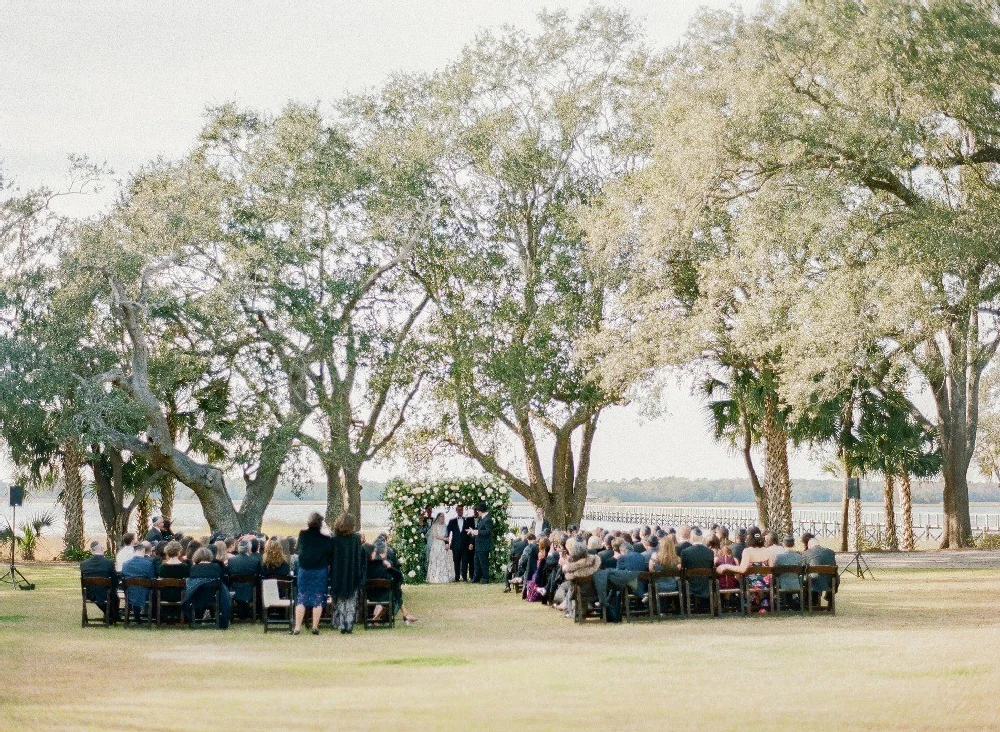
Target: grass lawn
912	650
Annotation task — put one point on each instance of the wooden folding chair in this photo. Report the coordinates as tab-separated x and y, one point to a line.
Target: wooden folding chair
585	602
698	574
175	588
778	592
813	573
270	590
109	591
632	602
723	594
662	598
379	586
147	607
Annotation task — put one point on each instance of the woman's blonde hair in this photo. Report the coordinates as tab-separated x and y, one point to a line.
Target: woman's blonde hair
274	557
666	557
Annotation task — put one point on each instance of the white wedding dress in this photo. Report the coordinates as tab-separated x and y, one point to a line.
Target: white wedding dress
440	565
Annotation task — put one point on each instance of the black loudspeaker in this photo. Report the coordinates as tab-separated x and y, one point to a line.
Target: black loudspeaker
16	495
854	488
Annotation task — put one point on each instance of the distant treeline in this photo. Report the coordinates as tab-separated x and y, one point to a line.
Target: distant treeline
667	490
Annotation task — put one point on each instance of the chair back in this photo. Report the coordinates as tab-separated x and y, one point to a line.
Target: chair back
86	582
269	591
138	582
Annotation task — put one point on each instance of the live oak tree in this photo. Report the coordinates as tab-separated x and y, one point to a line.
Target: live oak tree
518	136
314	256
885	112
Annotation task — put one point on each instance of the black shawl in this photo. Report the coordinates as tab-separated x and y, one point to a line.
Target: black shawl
347	567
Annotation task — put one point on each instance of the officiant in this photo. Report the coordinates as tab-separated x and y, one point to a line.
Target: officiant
483	535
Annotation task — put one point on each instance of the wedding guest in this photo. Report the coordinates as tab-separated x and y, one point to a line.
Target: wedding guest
542	526
528	562
192	548
313	576
155	533
789	558
819	556
242	565
166	532
98	565
607	555
665	558
683	538
140	566
347	572
517	548
740	544
221	555
698	556
382	566
534	589
172	568
126	552
204	571
754	555
274	563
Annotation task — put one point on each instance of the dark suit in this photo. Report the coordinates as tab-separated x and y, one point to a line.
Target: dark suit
243	564
460	543
607	557
681	546
483	546
154	535
516	550
100	566
820	556
699	556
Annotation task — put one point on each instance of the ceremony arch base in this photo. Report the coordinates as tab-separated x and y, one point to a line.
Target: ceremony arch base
407	501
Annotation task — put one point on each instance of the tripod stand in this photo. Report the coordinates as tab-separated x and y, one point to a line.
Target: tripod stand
859	571
13	575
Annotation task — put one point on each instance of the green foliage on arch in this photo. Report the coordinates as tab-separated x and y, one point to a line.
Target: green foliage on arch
407	501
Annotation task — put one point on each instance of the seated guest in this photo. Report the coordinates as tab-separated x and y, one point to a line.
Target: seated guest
754	555
740	544
607	555
517	548
534	587
158	556
221	555
665	558
772	544
698	556
172	568
139	566
650	545
242	565
528	562
382	566
819	556
581	564
348	563
630	560
314	573
594	545
789	558
683	538
274	563
126	551
727	580
192	548
204	571
98	565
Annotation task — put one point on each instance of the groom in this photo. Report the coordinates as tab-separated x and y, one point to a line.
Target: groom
461	543
483	534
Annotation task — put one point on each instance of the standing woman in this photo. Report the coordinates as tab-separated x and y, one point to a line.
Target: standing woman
314	572
347	571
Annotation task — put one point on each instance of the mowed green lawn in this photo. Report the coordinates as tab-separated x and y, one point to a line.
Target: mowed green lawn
912	650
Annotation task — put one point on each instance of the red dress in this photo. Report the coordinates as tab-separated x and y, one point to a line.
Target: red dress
727	580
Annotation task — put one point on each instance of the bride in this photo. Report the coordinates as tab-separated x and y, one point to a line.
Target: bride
440	566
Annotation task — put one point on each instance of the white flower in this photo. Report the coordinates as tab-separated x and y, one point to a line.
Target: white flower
411	574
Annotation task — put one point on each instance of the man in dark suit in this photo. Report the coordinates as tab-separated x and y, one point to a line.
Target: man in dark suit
789	558
819	556
461	544
607	555
98	565
483	536
739	545
698	556
244	563
517	548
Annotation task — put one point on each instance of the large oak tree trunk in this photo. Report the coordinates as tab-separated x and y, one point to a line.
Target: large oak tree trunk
336	500
168	490
72	495
777	484
906	501
889	498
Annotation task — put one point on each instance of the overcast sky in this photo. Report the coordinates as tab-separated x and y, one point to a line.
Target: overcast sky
125	82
